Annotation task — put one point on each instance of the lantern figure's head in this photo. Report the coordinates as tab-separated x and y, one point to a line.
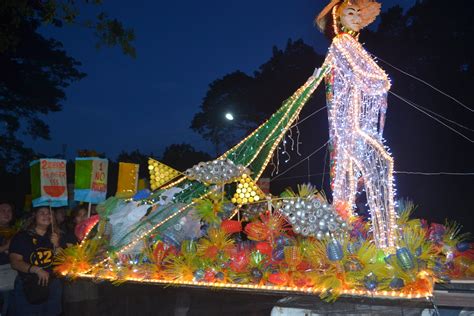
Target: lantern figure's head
347	16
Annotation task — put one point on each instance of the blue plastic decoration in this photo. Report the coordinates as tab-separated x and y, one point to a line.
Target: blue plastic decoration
352	265
388	259
199	274
405	258
353	247
278	254
283	241
463	246
256	274
142	194
220	276
170	238
334	250
396	283
370	282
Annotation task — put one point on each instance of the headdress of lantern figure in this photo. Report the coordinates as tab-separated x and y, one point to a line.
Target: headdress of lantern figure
357	100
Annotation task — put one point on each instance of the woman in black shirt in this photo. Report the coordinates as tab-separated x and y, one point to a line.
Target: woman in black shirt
32	253
8	275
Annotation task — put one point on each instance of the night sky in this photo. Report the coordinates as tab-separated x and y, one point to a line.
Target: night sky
147	103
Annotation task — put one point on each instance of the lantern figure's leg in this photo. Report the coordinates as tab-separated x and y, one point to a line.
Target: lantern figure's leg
376	167
359	153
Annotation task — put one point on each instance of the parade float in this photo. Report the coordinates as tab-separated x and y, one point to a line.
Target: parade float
212	226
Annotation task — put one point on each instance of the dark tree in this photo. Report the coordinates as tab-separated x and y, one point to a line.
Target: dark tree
230	94
108	31
283	74
252	99
138	158
32	82
183	156
36	70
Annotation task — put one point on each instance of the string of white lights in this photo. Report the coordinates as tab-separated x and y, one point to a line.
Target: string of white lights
302	176
418	173
439	115
301	161
434	118
440	173
426	83
434	113
309	115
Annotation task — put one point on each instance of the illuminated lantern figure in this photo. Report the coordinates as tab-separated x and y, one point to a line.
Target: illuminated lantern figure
357	100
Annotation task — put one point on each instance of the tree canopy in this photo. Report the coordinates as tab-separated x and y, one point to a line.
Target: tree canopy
183	156
252	98
36	70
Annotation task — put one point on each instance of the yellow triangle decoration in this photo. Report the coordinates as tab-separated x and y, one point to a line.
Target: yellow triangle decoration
160	173
247	191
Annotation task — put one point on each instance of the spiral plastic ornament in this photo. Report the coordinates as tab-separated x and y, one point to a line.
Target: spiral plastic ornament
405	258
334	250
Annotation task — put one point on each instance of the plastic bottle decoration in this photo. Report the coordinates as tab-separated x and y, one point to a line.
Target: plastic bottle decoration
141	195
283	241
292	257
256	275
334	250
370	282
278	278
310	217
264	248
220	276
278	253
247	191
463	246
189	246
160	173
231	226
352	265
448	252
381	256
218	171
210	276
239	261
396	284
171	238
389	259
405	258
353	247
199	274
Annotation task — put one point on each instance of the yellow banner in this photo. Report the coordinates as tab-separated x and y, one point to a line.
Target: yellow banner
127	180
